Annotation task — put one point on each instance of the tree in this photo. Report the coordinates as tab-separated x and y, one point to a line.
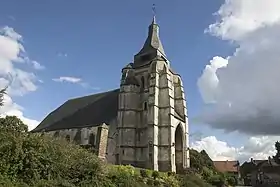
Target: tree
2	93
12	124
277	156
32	159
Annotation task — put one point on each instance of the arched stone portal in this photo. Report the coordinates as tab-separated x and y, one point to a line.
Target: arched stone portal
179	146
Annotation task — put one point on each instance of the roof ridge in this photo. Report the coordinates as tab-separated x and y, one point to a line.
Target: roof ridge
101	93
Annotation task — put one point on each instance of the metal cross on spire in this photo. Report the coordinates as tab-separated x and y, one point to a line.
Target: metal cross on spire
154	9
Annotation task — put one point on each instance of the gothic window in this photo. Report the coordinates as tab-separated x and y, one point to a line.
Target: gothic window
67	138
92	139
143	82
78	137
56	134
145	106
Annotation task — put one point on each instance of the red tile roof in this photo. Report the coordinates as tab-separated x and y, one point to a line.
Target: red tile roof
226	166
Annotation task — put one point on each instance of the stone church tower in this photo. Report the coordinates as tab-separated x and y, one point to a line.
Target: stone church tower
152	118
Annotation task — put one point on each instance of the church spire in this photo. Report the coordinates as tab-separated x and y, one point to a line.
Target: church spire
152	42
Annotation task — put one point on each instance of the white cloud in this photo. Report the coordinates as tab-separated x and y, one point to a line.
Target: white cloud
242	91
68	79
237	18
208	83
36	65
10	33
62	54
75	80
19	82
254	147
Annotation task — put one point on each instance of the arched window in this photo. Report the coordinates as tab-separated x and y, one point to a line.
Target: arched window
67	138
78	137
56	134
92	139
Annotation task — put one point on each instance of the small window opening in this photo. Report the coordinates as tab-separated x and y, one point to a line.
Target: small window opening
143	82
123	151
139	136
145	107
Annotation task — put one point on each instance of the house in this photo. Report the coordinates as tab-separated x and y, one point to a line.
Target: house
267	173
261	173
230	167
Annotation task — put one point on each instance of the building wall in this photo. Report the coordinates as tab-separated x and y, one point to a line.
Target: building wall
96	138
111	145
78	135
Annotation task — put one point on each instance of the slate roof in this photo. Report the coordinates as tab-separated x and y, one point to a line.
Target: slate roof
82	112
226	166
268	163
153	41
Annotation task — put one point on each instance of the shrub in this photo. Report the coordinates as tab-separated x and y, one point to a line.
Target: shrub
125	176
192	181
170	180
155	174
171	173
38	160
144	173
232	180
30	158
217	180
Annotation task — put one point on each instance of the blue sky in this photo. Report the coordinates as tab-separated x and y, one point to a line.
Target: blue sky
100	37
93	40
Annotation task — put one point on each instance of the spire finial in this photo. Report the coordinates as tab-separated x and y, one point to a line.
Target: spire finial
154	13
154	9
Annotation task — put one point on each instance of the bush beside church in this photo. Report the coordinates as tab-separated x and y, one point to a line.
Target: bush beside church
30	159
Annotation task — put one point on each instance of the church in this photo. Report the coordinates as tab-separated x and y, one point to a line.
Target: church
143	123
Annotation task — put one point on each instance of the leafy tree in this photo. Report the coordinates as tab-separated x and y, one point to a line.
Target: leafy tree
195	160
277	156
207	173
201	159
207	161
12	124
232	180
31	158
217	180
2	93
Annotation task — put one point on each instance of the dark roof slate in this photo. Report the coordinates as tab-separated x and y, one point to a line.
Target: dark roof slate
82	112
153	41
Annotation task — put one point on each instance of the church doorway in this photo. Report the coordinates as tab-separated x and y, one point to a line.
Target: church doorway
179	149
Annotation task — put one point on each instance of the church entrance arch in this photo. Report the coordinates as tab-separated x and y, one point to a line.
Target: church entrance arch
179	155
